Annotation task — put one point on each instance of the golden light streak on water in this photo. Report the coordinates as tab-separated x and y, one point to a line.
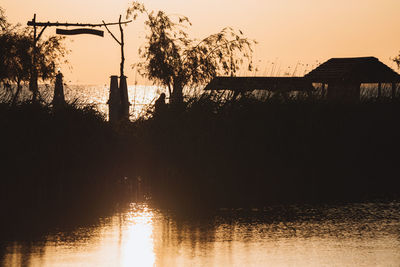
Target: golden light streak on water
352	235
123	240
138	248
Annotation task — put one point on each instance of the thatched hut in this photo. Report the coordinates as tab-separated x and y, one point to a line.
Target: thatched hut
245	84
344	77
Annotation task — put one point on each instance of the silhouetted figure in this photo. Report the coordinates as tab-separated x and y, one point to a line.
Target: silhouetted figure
160	105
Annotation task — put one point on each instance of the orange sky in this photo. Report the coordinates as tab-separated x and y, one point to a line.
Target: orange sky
288	31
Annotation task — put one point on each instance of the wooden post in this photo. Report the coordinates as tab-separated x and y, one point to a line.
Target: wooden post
120	42
379	90
122	48
33	83
114	101
123	88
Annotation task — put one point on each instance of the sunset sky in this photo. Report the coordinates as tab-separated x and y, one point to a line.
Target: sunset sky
288	31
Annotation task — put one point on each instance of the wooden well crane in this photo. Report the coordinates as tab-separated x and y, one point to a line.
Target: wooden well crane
119	100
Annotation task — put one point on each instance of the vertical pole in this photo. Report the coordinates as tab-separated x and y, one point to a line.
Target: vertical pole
379	90
33	86
123	86
35	74
122	47
323	90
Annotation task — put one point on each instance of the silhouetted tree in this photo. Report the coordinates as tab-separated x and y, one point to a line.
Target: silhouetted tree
16	61
3	21
397	61
174	60
16	56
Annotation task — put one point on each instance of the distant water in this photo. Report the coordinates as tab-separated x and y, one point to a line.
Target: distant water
346	235
141	97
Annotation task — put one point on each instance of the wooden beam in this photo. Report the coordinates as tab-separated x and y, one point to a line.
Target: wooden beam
112	35
80	31
52	24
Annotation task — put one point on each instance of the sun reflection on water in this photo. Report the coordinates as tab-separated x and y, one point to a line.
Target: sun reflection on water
354	235
138	248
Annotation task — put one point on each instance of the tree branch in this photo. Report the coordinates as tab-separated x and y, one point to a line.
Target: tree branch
216	49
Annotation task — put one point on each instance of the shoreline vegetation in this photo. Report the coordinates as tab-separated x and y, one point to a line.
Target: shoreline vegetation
200	153
211	153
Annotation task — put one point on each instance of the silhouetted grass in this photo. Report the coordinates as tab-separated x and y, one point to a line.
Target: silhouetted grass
252	152
59	160
211	152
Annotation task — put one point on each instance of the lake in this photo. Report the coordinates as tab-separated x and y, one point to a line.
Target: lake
141	97
363	234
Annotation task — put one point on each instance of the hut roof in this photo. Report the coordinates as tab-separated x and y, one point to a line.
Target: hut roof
259	83
360	70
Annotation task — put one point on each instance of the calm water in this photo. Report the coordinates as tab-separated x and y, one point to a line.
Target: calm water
350	235
141	97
